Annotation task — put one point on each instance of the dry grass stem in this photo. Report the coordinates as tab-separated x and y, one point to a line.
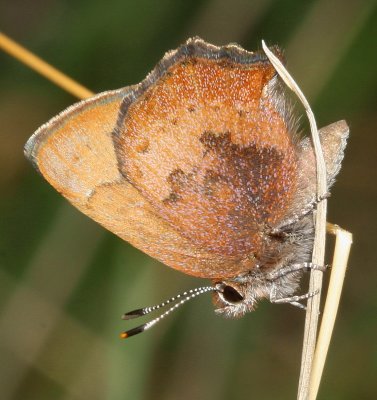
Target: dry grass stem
339	265
48	71
318	257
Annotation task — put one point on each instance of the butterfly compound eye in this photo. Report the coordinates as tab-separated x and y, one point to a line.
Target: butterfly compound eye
231	295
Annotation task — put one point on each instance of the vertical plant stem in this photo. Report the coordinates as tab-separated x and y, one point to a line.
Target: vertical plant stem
318	257
339	265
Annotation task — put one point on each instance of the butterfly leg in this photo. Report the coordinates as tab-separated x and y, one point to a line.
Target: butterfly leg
288	269
294	300
305	211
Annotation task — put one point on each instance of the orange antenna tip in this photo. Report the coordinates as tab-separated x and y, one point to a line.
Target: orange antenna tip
123	335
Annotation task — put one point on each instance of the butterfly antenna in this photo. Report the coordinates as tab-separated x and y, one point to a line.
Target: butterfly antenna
182	297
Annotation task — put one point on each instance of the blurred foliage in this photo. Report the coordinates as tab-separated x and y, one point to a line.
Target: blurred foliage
64	281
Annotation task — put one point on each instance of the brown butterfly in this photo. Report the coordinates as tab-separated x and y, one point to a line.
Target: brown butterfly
201	167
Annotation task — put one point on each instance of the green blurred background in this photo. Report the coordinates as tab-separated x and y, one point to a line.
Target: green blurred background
65	281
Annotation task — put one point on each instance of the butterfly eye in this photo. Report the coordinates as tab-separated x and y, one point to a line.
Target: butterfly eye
231	295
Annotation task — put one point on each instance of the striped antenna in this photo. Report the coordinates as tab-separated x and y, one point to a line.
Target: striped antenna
181	298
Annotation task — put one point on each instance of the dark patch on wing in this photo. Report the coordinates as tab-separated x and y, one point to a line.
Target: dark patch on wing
247	172
226	202
213	182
